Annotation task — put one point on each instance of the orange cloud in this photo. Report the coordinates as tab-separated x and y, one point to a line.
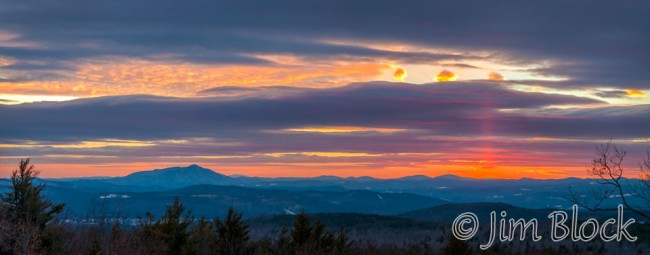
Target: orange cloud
495	76
445	75
400	74
635	93
119	76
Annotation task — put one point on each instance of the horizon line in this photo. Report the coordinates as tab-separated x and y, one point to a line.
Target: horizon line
314	177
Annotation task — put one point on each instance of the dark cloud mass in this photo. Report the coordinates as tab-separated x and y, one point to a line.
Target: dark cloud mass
449	109
612	94
596	43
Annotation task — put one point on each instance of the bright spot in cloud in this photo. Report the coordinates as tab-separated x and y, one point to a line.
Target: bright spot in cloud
400	74
335	129
84	144
495	76
635	93
446	75
328	154
19	99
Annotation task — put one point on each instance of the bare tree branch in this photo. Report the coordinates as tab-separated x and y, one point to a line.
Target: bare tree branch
607	165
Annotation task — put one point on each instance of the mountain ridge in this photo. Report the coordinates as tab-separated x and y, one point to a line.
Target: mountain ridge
173	177
527	193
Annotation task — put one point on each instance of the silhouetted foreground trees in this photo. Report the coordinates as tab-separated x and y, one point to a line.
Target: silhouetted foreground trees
28	225
25	213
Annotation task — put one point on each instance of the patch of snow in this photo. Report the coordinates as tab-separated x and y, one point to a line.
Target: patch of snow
109	196
625	195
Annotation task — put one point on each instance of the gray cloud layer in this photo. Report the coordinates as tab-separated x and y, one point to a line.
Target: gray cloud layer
449	109
456	119
599	43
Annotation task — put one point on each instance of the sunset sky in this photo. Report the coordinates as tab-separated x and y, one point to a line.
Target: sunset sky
505	89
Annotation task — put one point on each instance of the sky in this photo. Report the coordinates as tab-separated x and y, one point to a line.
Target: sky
484	89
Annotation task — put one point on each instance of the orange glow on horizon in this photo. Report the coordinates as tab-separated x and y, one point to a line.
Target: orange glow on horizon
464	169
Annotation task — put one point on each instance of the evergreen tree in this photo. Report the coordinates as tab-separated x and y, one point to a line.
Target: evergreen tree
26	210
343	243
147	231
232	234
318	235
167	235
202	238
302	230
320	240
173	226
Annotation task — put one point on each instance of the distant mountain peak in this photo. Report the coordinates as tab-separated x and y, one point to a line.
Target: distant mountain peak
327	177
364	178
187	169
449	176
418	177
175	177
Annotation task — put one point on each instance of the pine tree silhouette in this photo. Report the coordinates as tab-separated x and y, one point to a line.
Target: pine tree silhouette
168	234
302	230
173	226
26	210
343	244
232	234
202	238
